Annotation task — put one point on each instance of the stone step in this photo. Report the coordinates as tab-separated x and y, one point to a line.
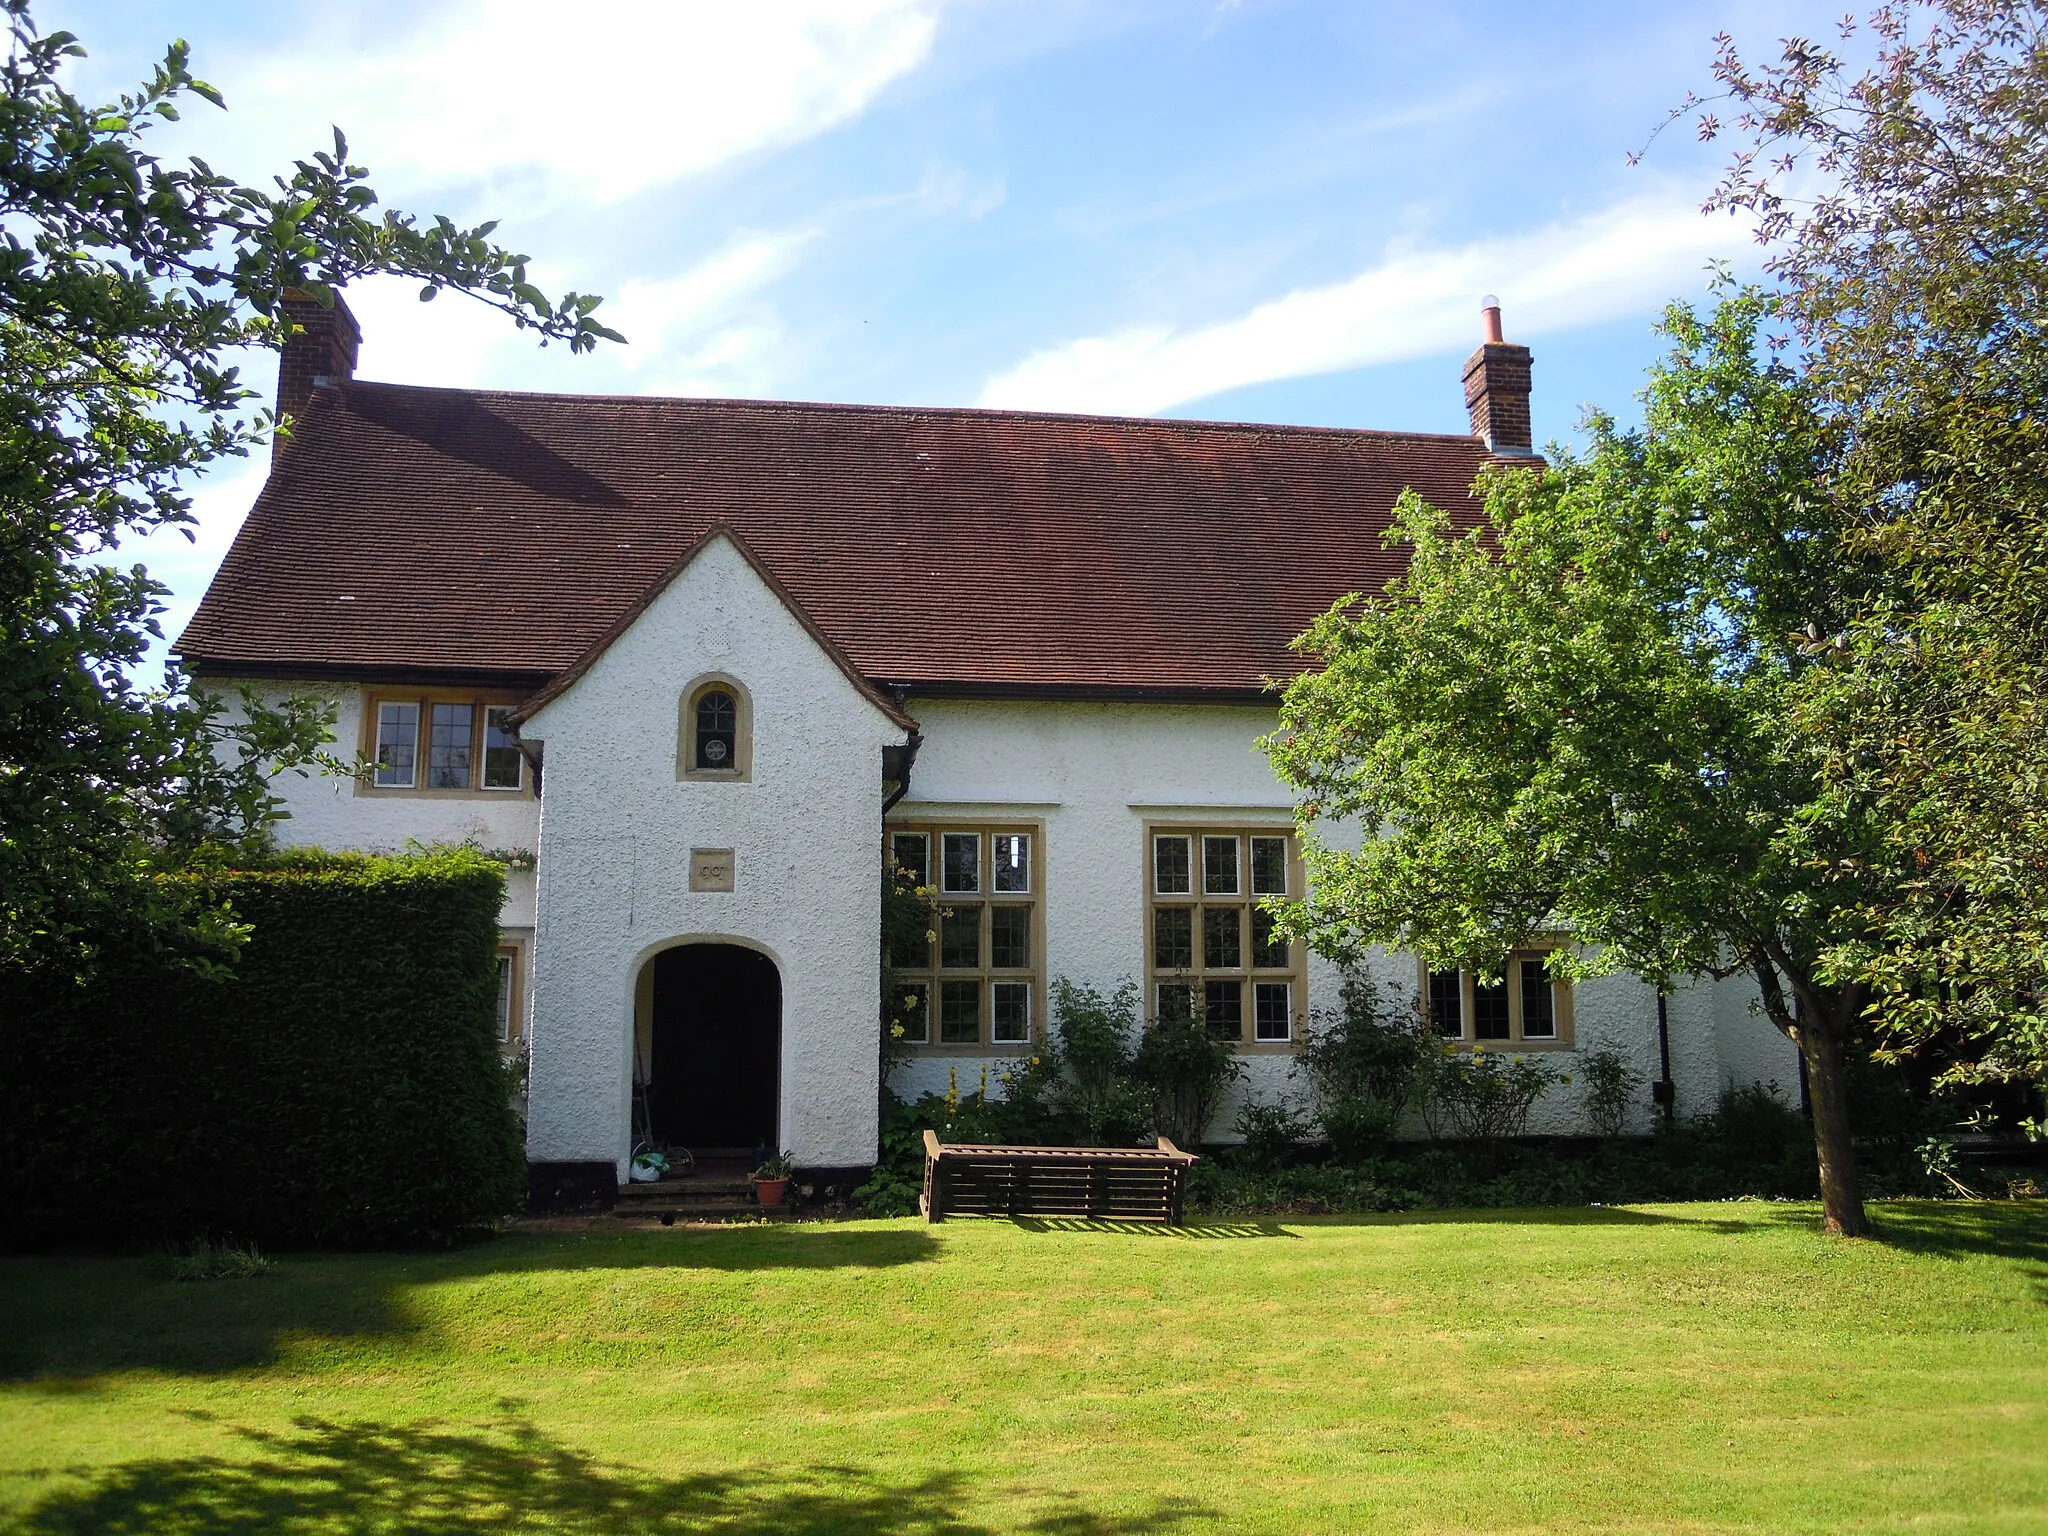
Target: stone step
688	1189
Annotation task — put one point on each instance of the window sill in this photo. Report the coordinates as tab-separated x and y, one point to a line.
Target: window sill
714	776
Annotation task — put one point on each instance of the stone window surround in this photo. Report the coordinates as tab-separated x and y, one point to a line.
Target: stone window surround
1294	974
932	828
1561	993
742	769
480	699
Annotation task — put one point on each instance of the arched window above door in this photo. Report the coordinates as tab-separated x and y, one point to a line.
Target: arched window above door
715	731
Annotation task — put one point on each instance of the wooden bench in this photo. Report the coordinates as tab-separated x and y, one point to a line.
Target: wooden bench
1099	1183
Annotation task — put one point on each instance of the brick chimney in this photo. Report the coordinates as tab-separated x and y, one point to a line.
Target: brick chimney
1497	389
323	349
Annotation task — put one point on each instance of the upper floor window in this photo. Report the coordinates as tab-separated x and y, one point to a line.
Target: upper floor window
443	744
1523	1006
715	735
1213	950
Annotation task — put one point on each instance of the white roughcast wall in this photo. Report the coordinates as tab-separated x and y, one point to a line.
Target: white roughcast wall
617	829
1094	774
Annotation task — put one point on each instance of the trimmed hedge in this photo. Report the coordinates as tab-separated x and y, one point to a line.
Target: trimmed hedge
340	1085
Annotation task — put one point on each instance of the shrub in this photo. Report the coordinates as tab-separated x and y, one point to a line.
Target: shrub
339	1084
1610	1085
204	1259
1186	1070
1482	1095
1361	1064
1270	1132
1096	1040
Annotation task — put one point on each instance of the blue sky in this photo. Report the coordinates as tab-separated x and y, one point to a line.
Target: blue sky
1273	210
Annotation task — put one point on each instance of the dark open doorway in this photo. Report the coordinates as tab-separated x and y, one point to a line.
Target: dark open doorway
717	1044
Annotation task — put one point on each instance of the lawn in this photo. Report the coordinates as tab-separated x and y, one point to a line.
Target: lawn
1677	1368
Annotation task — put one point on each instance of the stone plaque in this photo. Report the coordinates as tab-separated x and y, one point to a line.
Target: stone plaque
710	869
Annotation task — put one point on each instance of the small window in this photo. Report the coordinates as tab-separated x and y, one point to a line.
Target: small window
1270	951
1219	866
1222	948
912	852
1273	1011
1539	1010
398	736
718	730
714	733
1171	875
1173	938
508	1018
914	1013
1447	1003
1223	1009
1176	1002
1490	1019
1010	858
961	875
1009	938
1269	866
960	939
504	765
959	1013
448	749
1010	1012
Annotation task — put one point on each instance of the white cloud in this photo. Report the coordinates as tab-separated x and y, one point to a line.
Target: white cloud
1622	260
592	103
709	329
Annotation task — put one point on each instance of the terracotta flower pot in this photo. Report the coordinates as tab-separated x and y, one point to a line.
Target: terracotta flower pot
769	1192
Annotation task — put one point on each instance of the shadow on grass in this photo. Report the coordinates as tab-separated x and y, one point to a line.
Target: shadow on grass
433	1480
72	1319
2006	1229
1199	1231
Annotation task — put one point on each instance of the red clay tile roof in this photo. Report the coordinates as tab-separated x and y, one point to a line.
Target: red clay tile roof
480	534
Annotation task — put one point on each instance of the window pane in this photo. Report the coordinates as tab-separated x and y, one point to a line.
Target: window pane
1176	1002
1170	874
914	1013
961	852
1173	938
398	735
502	762
1269	950
718	718
1010	1012
1223	1009
913	852
1269	866
1009	937
1222	938
1539	1011
505	997
1490	1010
1219	866
1273	1017
1010	856
911	951
448	748
960	939
960	1013
1447	1004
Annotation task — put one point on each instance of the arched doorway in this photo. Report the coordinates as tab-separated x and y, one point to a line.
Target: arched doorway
715	1038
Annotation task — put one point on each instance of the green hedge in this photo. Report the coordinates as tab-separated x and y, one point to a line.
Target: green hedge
340	1085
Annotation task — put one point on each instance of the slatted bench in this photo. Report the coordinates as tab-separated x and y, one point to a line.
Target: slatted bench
1101	1183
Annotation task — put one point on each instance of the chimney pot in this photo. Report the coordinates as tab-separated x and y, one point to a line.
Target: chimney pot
1497	389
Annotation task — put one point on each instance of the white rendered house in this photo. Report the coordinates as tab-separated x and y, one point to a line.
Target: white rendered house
697	665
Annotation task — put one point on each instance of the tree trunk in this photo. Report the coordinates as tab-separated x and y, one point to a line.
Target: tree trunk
1827	1091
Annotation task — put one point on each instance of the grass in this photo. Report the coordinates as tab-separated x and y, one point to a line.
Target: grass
1680	1368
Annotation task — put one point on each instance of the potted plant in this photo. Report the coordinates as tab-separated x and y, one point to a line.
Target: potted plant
771	1181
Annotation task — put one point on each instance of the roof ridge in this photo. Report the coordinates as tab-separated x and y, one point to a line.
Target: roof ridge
976	412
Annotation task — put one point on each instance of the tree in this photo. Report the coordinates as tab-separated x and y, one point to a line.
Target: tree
1579	716
126	284
1916	282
